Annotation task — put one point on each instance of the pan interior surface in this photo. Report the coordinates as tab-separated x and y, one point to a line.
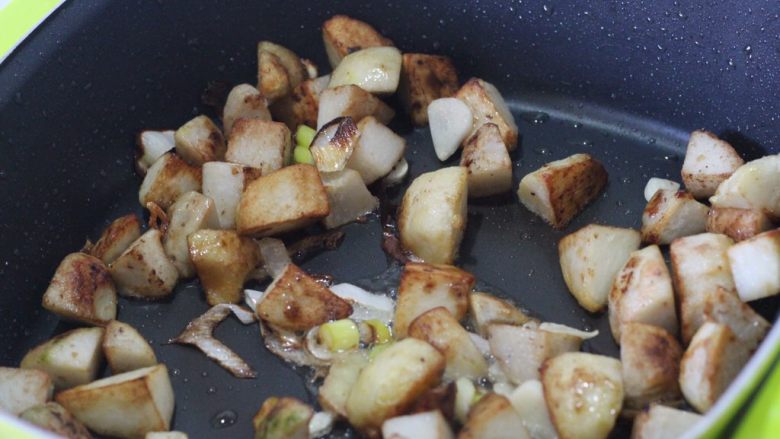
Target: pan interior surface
75	97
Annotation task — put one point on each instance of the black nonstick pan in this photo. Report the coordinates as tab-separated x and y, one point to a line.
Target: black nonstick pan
623	81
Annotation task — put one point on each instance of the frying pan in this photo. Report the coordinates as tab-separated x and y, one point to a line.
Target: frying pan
624	82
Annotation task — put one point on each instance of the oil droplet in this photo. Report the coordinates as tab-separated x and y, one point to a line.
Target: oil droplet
577	125
540	118
212	390
626	180
176	372
548	9
204	374
525	236
541	151
224	419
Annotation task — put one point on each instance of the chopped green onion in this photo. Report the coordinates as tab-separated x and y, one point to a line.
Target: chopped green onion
301	154
340	335
381	331
304	135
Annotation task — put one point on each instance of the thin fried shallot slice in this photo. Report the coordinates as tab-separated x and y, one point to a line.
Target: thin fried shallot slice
198	333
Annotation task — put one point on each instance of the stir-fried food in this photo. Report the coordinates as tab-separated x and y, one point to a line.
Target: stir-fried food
299	154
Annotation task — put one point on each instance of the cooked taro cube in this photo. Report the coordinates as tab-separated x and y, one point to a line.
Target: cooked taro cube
21	389
126	349
279	70
151	146
224	182
116	238
191	212
584	393
699	265
643	293
708	162
439	328
390	384
752	186
655	184
671	215
426	286
53	417
661	422
488	106
301	106
451	121
559	190
223	261
82	290
71	358
374	69
352	101
590	259
725	307
488	163
425	78
243	102
755	265
290	198
737	224
297	302
485	309
167	179
144	270
713	359
493	417
199	141
651	359
424	425
261	144
377	150
343	35
348	198
521	350
127	405
434	234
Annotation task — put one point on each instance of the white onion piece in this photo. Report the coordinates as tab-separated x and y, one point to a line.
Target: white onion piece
365	305
398	173
198	333
568	330
252	298
274	255
321	424
153	144
655	184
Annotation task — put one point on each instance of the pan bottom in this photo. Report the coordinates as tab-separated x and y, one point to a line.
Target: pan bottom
508	249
